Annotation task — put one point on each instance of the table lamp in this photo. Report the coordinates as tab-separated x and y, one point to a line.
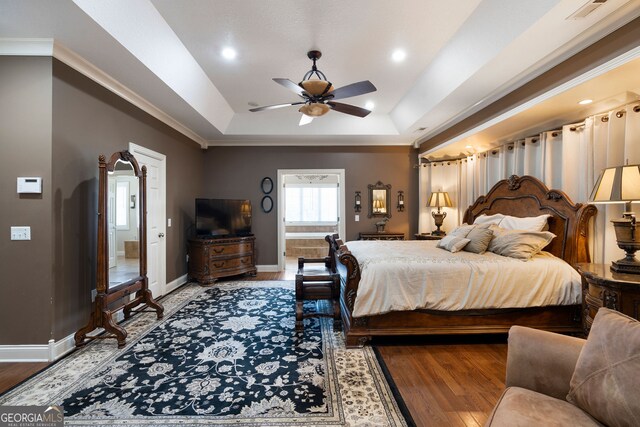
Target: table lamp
439	199
621	184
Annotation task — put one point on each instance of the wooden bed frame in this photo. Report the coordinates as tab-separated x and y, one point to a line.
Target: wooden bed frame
517	196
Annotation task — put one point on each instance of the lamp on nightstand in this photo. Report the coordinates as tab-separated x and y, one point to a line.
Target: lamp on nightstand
621	184
439	199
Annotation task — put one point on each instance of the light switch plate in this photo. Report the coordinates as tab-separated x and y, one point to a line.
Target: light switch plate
168	222
357	218
21	233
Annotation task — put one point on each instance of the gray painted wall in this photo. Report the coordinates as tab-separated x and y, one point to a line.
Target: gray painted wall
89	121
54	123
236	172
25	138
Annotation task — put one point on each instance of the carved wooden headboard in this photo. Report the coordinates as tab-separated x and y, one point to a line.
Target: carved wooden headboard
527	196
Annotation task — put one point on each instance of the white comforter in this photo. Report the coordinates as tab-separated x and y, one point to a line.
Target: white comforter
406	275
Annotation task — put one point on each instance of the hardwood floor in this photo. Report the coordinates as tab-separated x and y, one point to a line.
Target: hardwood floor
14	373
444	381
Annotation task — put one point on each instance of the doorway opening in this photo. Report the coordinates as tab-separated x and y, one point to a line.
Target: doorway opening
310	206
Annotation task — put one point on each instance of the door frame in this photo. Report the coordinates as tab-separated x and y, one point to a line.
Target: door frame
280	211
138	150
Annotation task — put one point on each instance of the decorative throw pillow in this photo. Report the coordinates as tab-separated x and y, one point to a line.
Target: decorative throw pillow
605	381
479	240
452	243
462	231
531	223
489	219
517	243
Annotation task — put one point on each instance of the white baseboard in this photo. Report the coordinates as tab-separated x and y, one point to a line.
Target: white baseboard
175	284
50	352
267	268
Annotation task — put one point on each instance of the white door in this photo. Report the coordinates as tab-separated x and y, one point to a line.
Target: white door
156	216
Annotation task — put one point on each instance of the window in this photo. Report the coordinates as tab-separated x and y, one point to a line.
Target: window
122	205
317	204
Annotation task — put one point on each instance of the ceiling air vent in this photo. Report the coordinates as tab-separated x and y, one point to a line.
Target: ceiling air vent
586	9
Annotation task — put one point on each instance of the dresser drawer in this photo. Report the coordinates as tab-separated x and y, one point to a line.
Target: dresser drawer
224	250
230	263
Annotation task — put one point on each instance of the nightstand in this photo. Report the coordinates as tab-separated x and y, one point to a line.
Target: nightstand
427	236
601	287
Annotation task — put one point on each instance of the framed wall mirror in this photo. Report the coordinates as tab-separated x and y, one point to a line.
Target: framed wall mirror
121	274
266	185
379	200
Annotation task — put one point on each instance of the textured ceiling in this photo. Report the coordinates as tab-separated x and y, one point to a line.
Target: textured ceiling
461	56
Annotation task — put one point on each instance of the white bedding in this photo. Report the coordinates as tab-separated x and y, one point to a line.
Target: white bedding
406	275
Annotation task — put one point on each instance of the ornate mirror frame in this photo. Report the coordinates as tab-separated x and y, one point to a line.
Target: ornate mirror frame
379	200
110	298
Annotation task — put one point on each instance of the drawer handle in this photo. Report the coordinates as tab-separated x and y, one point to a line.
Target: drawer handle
218	251
218	265
244	261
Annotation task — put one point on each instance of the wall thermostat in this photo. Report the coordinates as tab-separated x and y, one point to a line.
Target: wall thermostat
29	185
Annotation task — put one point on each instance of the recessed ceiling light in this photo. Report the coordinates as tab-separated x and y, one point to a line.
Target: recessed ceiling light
229	53
369	105
585	101
468	146
398	55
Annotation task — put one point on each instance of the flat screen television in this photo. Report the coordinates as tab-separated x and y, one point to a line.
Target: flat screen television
223	217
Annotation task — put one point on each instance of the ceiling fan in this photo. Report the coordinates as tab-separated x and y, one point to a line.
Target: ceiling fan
318	94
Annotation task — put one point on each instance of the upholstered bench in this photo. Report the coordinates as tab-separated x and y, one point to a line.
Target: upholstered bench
316	279
556	380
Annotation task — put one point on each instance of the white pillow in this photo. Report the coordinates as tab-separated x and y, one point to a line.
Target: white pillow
452	243
489	219
518	244
462	231
531	223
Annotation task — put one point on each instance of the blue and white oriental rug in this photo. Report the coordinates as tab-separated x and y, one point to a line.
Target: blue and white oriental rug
224	355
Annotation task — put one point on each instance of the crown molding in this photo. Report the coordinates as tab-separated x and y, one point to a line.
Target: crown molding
50	47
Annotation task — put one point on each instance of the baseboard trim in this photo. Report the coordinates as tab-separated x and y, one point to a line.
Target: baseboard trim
268	268
50	352
175	284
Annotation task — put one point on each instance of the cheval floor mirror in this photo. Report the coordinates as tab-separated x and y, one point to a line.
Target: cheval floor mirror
122	249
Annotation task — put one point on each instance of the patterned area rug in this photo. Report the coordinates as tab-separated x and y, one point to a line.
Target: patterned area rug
226	355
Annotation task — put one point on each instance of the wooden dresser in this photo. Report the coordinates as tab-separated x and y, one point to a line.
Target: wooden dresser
210	259
381	236
601	287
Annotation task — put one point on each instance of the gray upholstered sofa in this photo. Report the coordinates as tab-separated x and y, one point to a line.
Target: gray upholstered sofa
557	380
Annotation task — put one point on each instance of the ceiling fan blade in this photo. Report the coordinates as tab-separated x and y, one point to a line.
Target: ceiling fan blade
273	107
353	89
305	120
348	109
291	86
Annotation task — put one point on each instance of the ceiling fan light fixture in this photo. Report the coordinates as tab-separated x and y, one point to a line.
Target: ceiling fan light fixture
315	109
317	87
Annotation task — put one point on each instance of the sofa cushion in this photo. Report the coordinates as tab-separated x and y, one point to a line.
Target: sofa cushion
605	381
521	407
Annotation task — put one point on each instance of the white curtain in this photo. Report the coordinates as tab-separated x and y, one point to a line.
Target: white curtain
569	160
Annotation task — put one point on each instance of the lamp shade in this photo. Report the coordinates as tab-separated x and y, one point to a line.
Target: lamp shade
439	199
617	184
314	109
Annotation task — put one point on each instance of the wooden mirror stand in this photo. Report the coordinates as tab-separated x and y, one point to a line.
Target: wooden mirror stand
112	296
